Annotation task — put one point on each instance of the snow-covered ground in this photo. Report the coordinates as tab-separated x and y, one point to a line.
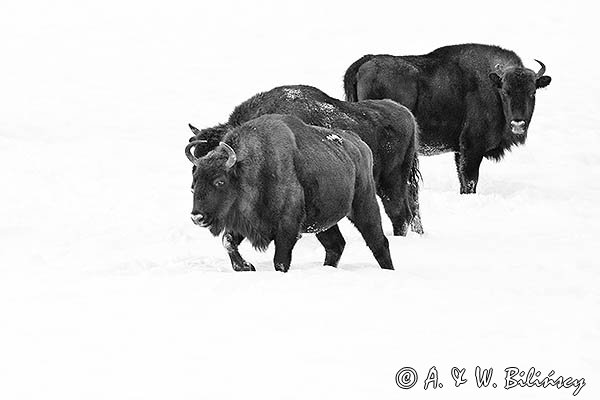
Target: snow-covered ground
107	290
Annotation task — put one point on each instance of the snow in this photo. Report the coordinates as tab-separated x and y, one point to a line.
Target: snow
292	94
334	138
107	290
326	107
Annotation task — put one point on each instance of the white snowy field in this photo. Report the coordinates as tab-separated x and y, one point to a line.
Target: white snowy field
107	290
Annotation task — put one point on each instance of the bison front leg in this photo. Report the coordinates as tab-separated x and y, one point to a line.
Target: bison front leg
334	244
231	241
284	243
467	167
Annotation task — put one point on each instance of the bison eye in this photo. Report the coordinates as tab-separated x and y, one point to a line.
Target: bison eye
218	182
192	190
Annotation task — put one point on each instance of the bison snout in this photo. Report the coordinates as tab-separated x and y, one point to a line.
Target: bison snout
198	218
517	126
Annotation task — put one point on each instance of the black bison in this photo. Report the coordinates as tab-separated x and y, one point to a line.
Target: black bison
474	100
275	177
388	128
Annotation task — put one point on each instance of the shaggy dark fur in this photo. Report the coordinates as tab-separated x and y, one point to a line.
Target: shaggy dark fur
350	77
388	128
289	178
474	100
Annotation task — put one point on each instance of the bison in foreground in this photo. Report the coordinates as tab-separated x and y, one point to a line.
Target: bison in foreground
388	128
275	177
474	100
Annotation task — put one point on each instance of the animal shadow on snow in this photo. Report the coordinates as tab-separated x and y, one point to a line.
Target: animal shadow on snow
505	188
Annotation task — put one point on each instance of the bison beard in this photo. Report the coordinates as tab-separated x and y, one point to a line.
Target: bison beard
275	177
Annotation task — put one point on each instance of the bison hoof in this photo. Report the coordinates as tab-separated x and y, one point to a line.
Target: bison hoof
469	188
281	267
244	267
401	230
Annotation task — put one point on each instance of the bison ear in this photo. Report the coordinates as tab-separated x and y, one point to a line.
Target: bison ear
496	79
195	130
543	81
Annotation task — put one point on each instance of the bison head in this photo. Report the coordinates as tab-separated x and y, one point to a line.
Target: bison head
213	186
517	87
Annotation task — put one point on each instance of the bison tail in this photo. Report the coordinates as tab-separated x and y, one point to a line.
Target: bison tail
350	77
414	180
415	173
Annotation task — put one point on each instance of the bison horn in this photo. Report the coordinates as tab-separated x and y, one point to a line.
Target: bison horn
232	157
542	70
195	130
188	150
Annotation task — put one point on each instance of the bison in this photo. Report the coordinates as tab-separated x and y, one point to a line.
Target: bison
388	128
275	177
474	100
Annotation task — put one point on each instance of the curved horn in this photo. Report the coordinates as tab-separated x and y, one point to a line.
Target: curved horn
188	150
232	157
542	70
195	130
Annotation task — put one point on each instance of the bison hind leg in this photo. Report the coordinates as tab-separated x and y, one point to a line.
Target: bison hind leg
334	244
416	225
367	219
231	241
393	198
400	229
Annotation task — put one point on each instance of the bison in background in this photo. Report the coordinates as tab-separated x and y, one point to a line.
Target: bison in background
275	177
388	128
474	100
